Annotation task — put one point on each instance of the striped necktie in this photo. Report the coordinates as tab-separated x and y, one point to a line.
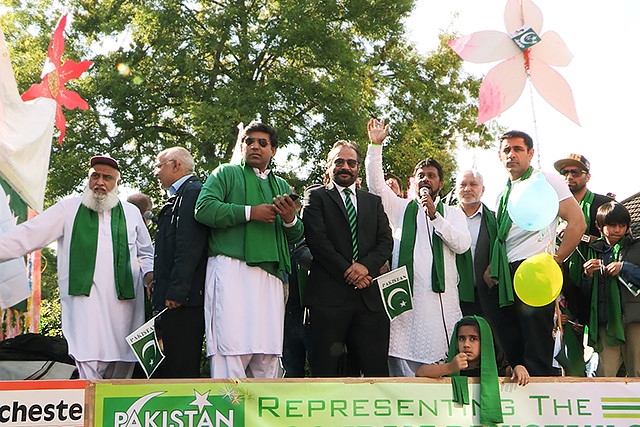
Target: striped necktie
353	221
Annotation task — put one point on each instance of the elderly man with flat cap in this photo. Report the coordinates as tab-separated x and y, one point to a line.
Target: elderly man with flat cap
575	168
104	254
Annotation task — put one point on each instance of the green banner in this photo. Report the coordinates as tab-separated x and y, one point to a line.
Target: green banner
406	402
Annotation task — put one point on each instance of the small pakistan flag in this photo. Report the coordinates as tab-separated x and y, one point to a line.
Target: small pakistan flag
145	345
396	292
525	37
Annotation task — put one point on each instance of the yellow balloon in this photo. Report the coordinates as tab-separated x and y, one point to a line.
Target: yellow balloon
538	280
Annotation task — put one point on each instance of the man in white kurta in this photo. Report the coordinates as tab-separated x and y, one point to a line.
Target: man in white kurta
94	326
420	335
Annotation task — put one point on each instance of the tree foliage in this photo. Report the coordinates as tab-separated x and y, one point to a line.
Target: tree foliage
187	72
50	314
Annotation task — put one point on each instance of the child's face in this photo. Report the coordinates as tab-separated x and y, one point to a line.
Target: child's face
469	343
613	233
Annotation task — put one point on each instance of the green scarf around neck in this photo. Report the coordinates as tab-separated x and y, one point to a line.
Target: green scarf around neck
583	252
261	248
490	406
464	262
83	252
408	243
614	327
499	261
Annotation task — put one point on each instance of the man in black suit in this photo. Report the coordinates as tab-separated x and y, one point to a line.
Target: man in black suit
179	266
344	302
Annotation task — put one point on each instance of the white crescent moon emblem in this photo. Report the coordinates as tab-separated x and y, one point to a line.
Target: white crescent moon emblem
149	345
138	404
391	294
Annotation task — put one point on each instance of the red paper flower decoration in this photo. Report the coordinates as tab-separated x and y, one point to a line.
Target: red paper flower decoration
524	54
54	76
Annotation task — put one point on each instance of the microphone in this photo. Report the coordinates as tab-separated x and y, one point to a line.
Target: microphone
424	191
150	216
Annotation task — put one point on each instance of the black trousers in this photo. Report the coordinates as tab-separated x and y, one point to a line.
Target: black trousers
526	334
182	333
364	332
296	343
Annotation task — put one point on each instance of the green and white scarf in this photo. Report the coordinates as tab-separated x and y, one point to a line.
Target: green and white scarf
408	243
490	407
83	252
499	261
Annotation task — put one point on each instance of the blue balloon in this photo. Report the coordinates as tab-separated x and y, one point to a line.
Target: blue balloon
533	204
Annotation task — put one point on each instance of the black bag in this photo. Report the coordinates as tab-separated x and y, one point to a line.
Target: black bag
34	356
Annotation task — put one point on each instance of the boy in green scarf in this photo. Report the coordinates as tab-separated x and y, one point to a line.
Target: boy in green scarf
613	280
467	359
474	353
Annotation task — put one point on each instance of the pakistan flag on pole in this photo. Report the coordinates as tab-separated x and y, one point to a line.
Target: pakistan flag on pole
395	291
144	343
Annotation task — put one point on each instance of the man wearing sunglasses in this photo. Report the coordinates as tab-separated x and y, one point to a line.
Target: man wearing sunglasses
575	169
349	237
252	221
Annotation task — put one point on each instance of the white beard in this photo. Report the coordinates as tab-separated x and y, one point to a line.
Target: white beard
100	202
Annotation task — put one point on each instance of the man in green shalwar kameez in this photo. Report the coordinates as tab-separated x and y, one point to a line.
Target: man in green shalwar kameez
252	221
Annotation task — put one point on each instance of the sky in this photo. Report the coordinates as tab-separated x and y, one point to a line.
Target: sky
603	76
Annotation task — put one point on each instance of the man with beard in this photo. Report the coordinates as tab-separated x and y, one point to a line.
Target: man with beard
349	237
576	171
427	237
104	251
476	288
252	221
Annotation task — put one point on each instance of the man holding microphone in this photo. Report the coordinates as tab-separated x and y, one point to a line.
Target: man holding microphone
427	236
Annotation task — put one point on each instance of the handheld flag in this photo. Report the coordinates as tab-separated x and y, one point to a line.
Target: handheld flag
144	343
395	291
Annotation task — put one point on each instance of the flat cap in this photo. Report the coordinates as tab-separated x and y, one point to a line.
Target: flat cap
105	160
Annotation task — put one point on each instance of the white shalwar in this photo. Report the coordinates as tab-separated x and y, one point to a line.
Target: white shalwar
422	334
244	311
94	326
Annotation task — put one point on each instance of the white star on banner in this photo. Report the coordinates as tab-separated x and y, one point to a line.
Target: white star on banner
201	400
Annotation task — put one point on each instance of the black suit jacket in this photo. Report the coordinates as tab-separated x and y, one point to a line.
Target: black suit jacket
180	261
329	239
481	256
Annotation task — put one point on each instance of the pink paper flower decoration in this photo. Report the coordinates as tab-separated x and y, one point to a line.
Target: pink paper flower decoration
524	54
54	76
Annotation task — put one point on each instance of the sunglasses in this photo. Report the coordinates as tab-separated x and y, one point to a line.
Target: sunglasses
573	172
350	162
262	141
